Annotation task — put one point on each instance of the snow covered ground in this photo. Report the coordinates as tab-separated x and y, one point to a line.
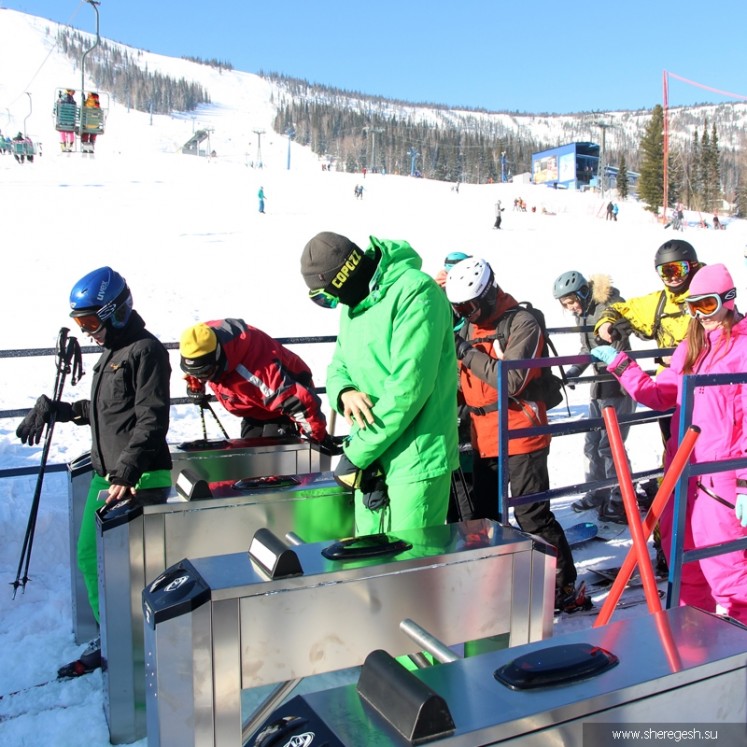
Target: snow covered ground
186	234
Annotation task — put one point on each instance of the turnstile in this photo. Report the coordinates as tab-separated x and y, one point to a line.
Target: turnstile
80	472
213	461
214	626
138	542
677	671
236	458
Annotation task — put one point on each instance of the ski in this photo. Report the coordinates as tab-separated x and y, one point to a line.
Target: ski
624	604
35	711
24	690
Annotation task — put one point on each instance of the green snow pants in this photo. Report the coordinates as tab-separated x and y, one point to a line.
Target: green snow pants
87	561
411	506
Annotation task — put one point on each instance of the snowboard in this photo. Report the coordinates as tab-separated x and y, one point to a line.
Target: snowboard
607	531
580	533
608	575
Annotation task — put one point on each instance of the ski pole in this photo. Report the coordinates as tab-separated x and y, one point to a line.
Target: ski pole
671	476
68	358
220	425
70	362
59	352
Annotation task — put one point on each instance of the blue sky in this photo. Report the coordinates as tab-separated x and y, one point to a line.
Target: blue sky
530	57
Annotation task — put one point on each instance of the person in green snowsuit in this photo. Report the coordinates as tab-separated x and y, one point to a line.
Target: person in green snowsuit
392	376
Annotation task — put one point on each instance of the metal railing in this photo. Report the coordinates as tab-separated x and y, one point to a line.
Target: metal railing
559	429
680	556
91	349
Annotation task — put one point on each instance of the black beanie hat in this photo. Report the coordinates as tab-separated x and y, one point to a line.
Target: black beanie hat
327	257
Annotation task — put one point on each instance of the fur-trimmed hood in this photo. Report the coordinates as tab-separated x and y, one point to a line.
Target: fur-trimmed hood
602	290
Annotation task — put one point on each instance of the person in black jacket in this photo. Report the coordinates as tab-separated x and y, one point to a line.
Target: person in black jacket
128	414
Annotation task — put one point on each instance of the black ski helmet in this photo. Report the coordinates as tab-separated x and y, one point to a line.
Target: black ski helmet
675	250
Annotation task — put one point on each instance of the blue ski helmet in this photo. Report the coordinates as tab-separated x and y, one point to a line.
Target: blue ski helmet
453	257
104	293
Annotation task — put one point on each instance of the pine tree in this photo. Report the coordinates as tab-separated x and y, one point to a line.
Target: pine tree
651	181
622	178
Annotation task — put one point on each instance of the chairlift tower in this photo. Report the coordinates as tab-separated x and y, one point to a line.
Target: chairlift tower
373	131
95	5
603	126
412	152
259	134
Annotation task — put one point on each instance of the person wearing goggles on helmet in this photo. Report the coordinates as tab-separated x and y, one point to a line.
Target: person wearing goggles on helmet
128	414
716	510
391	376
256	378
661	315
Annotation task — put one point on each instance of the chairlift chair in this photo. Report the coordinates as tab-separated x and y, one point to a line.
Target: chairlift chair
77	117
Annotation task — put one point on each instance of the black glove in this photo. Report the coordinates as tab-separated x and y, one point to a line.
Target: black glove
369	482
621	330
373	488
462	348
331	445
347	474
196	391
32	426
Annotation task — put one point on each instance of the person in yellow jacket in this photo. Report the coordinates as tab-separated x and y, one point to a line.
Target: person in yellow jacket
660	315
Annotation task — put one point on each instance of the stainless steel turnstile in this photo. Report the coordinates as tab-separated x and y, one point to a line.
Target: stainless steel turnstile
138	542
681	669
80	472
229	460
217	625
212	461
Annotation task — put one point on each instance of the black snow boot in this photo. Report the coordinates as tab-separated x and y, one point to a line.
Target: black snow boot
89	660
570	598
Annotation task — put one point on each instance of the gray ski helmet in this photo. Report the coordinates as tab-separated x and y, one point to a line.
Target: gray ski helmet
675	250
570	282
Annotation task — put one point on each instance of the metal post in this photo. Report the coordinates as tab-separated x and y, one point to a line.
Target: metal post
291	133
95	5
259	134
31	108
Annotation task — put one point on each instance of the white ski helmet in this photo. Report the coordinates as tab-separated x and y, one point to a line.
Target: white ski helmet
468	284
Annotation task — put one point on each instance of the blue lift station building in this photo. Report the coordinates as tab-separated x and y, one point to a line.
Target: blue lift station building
571	166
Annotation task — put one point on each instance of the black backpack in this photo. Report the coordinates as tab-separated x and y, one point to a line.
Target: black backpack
549	388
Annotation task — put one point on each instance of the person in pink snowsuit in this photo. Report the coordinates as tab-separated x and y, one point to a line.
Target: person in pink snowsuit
715	343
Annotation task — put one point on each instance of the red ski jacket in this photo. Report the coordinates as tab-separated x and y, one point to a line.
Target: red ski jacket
263	380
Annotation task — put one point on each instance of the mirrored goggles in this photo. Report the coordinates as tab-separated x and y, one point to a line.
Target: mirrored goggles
322	297
674	271
708	304
89	323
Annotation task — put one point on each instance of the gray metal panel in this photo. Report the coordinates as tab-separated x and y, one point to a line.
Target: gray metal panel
139	550
700	678
250	458
80	471
190	682
124	692
456	582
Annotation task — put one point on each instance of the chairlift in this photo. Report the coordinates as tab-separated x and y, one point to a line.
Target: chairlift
75	116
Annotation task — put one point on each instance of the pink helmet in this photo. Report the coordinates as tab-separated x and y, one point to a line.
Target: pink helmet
713	279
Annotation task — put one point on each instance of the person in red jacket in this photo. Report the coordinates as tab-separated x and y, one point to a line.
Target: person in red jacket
255	377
